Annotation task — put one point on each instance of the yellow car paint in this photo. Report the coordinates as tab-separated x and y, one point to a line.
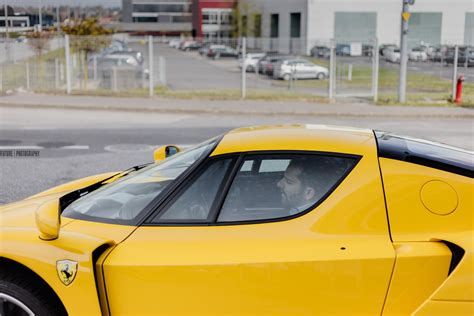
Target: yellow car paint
74	185
410	220
419	269
303	266
22	213
298	137
443	308
24	246
47	218
341	258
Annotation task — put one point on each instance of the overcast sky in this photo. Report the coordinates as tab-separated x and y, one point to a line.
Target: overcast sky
62	2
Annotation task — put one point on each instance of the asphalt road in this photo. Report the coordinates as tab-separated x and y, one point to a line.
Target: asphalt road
71	144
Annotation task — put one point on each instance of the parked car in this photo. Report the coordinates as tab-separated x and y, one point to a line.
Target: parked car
207	46
126	67
321	52
286	219
22	39
121	58
465	56
299	69
190	45
417	54
436	55
222	52
367	50
118	45
175	43
252	61
343	50
428	49
393	56
385	49
137	55
267	64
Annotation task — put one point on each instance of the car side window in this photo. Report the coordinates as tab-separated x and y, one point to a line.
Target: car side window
282	185
195	202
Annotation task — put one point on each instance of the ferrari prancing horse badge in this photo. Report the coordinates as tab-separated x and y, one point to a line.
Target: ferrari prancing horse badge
66	271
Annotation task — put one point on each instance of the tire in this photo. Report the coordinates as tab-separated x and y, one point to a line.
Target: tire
320	76
24	291
286	77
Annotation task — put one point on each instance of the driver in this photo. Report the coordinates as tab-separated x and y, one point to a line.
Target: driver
298	185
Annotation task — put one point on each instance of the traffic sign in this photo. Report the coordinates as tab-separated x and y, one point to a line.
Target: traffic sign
406	16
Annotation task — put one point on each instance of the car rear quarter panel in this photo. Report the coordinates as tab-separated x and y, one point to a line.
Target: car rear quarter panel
442	216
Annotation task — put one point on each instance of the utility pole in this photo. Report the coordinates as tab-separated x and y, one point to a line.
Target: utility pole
40	15
6	21
243	83
7	34
402	83
58	19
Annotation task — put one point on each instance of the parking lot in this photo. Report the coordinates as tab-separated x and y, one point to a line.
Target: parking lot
188	70
187	73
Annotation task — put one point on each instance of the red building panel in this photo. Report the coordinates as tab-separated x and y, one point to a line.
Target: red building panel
198	5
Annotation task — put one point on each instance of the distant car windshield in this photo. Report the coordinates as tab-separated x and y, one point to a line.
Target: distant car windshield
123	200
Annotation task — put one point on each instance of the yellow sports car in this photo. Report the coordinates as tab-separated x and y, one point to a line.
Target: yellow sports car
270	220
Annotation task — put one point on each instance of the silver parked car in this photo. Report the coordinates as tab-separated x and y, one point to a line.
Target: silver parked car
299	69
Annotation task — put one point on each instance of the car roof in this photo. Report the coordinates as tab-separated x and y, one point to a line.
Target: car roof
298	137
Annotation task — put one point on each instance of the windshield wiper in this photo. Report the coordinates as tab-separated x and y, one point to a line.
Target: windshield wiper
67	199
124	173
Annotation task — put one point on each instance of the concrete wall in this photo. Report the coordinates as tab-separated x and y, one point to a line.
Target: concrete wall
283	8
318	17
321	17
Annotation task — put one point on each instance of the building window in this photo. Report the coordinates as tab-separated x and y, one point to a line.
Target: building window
257	25
166	8
355	26
274	25
469	29
244	25
145	19
226	18
295	25
209	17
425	28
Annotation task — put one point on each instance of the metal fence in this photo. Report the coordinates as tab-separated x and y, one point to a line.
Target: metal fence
273	67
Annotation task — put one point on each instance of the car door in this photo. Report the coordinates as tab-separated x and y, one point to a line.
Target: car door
311	70
236	239
300	70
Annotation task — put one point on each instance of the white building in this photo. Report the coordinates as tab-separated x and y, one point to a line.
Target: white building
312	22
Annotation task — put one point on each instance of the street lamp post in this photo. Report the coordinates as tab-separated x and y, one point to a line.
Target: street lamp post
40	15
402	84
6	20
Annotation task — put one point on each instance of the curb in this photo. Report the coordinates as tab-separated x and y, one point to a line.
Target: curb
211	110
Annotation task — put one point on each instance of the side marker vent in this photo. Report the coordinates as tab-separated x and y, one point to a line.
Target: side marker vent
458	254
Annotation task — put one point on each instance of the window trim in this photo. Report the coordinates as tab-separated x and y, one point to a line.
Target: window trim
240	158
172	198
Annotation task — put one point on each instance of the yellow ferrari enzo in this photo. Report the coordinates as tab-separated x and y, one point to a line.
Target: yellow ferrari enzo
271	220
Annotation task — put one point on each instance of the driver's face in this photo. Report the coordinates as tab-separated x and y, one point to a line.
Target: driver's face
292	190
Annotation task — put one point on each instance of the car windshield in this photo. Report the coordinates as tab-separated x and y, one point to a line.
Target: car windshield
124	199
